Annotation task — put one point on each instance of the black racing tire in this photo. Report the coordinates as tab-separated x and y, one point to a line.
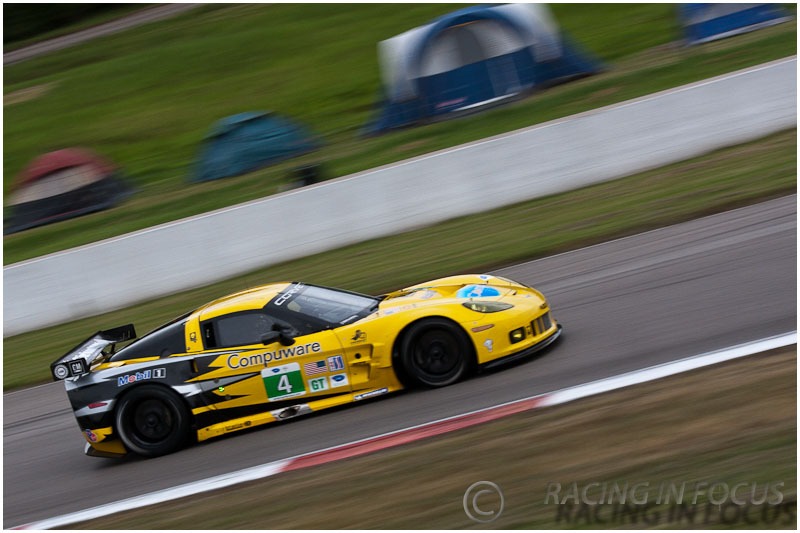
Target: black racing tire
435	352
152	420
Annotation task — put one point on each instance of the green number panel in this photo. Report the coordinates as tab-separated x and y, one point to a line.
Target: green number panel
285	381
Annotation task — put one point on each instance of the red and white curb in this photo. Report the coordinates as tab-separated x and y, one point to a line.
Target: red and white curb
414	433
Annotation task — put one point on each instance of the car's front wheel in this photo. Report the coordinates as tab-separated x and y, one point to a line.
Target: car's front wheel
434	353
152	421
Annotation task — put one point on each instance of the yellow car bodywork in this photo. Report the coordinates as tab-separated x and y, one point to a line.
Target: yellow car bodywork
347	364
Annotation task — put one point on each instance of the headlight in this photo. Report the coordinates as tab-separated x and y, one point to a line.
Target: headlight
487	307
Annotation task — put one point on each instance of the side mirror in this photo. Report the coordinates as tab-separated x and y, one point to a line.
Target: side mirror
270	337
286	340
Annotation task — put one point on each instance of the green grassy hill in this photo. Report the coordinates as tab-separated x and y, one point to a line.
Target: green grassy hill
146	97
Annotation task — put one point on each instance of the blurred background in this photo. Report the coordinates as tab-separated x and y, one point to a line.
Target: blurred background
148	99
122	117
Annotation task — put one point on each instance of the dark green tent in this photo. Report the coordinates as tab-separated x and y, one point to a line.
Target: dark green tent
245	142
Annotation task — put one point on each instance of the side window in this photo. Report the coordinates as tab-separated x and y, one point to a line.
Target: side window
237	329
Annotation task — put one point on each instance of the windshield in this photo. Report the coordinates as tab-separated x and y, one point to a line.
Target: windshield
333	307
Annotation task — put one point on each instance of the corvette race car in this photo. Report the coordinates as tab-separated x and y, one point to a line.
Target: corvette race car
282	350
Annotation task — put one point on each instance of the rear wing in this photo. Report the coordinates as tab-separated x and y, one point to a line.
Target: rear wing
79	359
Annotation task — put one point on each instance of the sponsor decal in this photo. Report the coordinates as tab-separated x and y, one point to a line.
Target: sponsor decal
318	384
288	294
370	394
477	291
484	277
339	380
237	360
284	381
399	309
358	336
77	367
315	367
133	378
160	373
427	294
91	435
193	336
489	344
61	371
335	363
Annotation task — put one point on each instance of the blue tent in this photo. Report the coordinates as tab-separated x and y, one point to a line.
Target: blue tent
708	22
472	58
248	141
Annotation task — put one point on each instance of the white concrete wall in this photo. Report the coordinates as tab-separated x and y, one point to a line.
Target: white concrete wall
565	154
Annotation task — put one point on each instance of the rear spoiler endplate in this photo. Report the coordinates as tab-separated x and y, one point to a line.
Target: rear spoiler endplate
78	360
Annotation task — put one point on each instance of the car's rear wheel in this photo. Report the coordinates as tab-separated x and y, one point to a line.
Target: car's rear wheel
152	421
434	353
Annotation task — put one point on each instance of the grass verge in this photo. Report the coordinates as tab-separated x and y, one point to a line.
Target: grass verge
721	180
730	423
146	97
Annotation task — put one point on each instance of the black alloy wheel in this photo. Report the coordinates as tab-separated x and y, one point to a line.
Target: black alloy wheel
435	353
151	421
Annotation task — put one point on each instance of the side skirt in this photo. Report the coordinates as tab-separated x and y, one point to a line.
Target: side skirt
292	411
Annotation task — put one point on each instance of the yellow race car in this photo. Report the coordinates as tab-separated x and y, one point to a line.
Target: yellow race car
281	350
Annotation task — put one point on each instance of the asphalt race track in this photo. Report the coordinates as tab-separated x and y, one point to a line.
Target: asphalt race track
627	304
